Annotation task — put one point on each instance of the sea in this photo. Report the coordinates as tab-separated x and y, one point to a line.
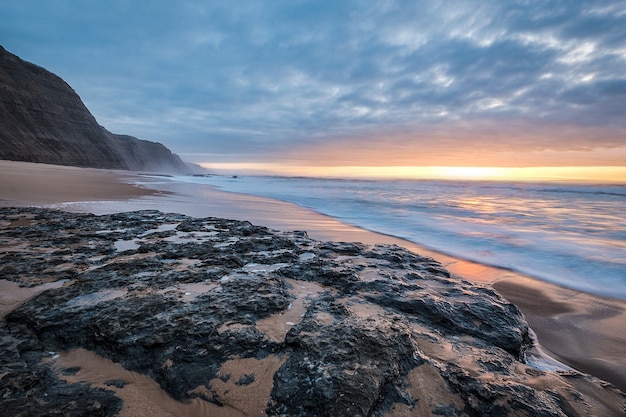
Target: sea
569	234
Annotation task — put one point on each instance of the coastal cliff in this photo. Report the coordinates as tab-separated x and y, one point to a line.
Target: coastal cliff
222	317
42	119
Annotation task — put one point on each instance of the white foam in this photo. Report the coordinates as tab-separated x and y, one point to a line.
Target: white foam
573	235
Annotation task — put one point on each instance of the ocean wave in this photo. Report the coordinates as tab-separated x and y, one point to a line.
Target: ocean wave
573	235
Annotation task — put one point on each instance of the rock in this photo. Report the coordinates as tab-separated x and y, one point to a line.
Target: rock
28	388
43	120
251	321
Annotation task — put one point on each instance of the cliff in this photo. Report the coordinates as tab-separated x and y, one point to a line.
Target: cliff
42	119
215	317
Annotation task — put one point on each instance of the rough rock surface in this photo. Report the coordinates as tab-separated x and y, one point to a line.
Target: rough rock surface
254	322
43	120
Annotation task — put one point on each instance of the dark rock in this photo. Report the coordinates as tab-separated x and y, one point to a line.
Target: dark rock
30	388
116	383
246	380
352	329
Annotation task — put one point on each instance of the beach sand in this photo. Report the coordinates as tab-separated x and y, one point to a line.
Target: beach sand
584	331
28	184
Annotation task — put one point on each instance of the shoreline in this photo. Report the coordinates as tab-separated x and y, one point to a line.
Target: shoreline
585	331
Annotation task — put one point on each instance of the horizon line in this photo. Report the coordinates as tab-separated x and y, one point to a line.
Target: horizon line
604	174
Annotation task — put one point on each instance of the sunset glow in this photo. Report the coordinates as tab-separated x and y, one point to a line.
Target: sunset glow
580	174
391	89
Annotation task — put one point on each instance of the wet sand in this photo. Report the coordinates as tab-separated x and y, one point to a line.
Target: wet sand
584	331
28	184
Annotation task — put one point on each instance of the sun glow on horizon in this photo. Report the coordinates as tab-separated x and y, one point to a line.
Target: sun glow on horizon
605	174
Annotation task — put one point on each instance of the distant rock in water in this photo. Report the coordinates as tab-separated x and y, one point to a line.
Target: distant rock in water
232	319
42	119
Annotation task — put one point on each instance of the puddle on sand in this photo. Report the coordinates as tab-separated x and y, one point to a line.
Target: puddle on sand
125	245
185	237
427	385
370	274
246	383
141	395
263	268
307	256
277	326
363	309
160	229
191	291
96	297
367	269
12	295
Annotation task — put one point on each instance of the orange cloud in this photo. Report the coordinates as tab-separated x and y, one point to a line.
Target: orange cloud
483	146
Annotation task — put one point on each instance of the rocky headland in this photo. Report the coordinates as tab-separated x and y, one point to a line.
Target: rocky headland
215	317
42	119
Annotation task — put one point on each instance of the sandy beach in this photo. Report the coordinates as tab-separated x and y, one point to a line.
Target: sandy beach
584	331
29	184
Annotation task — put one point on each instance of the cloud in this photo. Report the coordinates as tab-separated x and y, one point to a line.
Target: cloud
260	77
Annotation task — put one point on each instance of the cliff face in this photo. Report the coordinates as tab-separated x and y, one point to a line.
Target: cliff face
42	119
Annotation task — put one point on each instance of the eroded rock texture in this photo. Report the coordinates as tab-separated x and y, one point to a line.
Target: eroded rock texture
255	322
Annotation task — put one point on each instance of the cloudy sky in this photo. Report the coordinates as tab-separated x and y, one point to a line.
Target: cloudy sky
359	83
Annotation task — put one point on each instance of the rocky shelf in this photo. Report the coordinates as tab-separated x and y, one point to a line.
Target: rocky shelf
221	317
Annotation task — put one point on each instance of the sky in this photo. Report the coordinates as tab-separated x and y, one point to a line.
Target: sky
344	85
